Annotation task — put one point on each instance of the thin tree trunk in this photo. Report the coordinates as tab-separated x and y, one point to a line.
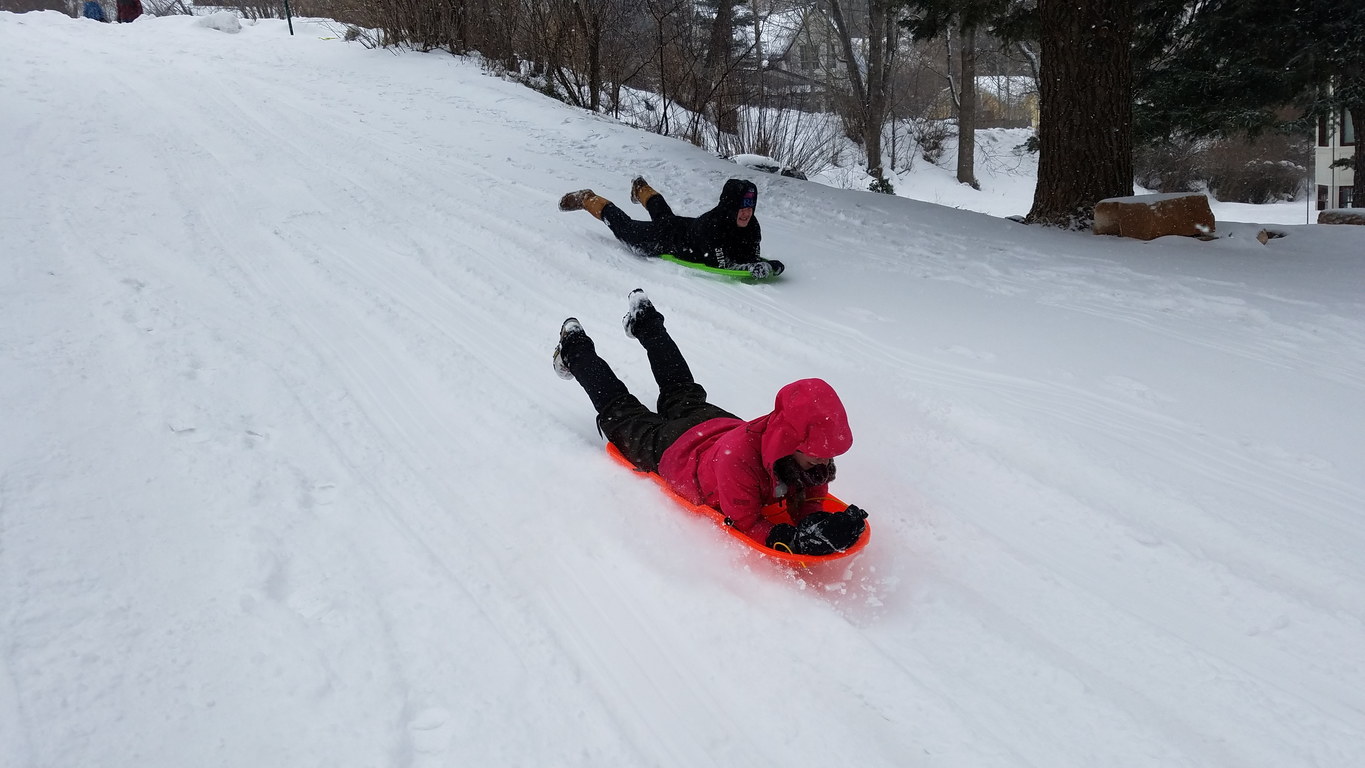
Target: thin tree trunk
592	39
966	112
1030	55
870	97
874	108
1358	188
855	77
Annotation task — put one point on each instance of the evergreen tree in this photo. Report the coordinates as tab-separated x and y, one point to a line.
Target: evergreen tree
1229	67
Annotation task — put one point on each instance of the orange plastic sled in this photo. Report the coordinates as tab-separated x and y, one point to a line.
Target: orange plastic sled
772	512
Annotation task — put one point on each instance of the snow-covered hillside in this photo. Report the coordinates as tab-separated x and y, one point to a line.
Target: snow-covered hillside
286	478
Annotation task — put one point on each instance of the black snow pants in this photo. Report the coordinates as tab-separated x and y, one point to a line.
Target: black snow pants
640	434
663	233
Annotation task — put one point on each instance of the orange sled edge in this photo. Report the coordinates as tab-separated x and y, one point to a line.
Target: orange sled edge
828	504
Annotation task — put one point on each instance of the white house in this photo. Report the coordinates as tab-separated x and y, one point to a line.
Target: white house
1336	141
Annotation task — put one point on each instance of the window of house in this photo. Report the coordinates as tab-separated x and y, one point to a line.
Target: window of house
1322	131
1345	195
1322	196
1348	129
810	57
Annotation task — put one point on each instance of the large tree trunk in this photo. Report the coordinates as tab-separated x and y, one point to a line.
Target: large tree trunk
966	111
1085	89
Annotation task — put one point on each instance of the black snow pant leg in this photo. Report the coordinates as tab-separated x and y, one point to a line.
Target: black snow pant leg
642	435
634	430
595	376
658	208
642	236
666	361
683	407
682	401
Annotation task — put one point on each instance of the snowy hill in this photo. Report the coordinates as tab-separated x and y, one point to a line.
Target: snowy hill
287	479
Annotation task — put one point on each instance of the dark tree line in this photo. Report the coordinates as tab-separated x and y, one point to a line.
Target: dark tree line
1113	75
1228	67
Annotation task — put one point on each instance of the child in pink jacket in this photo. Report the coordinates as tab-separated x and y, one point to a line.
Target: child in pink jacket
709	455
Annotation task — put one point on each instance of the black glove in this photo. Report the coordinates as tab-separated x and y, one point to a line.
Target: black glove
820	533
764	268
782	538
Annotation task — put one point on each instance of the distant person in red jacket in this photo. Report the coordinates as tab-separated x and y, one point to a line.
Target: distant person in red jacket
710	456
127	10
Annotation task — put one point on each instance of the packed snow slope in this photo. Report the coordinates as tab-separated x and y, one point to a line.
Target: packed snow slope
286	478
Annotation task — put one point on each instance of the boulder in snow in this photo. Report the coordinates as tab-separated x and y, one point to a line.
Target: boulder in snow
1147	217
1342	216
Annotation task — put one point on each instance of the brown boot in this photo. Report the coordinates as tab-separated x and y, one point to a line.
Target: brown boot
583	200
574	200
640	191
594	204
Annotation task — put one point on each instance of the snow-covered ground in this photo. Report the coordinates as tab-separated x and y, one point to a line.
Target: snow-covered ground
286	478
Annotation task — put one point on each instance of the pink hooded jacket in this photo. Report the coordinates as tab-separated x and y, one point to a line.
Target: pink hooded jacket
728	463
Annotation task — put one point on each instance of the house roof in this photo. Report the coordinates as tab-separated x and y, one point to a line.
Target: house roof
778	29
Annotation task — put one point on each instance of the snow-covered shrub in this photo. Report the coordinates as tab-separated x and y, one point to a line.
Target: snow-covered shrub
1175	166
1271	169
1259	181
932	138
223	21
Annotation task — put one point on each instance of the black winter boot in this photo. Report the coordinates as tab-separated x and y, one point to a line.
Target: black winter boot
572	337
576	358
642	320
645	323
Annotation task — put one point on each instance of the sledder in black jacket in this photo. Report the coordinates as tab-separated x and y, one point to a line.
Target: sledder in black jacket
726	236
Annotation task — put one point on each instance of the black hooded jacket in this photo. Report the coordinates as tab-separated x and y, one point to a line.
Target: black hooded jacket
712	238
715	239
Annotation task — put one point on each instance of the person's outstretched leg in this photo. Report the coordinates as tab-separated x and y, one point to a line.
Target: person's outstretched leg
640	235
654	203
621	417
643	237
682	401
584	200
646	238
576	358
646	324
